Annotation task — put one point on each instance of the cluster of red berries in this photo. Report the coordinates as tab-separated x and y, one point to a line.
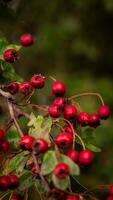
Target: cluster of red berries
4	144
58	195
110	197
9	182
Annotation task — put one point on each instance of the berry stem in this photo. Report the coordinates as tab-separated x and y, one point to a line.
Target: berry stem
7	95
88	94
4	195
52	78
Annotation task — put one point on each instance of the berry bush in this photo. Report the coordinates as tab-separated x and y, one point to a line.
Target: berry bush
44	147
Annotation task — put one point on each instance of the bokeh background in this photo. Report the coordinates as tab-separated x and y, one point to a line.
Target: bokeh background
74	43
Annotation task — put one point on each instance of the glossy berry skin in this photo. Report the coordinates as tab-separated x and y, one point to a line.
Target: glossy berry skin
5	145
4	182
73	197
61	170
58	88
73	155
83	118
2	134
94	120
16	197
14	181
64	140
40	146
38	81
60	102
11	55
110	197
26	39
54	111
67	129
86	157
111	190
26	142
103	112
25	87
13	87
70	112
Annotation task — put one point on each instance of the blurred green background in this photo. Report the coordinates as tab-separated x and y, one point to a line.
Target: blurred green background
74	43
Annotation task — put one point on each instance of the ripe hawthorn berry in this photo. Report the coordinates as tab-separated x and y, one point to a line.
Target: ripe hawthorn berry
14	181
86	156
94	120
61	170
38	81
13	87
25	87
5	145
26	142
83	118
70	112
2	134
11	55
110	197
64	140
26	39
16	197
60	102
73	197
4	182
73	155
40	146
103	112
58	88
111	190
54	110
67	129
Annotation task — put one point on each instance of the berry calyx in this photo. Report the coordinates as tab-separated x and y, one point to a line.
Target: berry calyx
40	146
73	155
83	118
14	181
4	182
73	197
111	190
54	110
25	87
58	88
5	145
26	39
94	120
64	140
38	81
70	112
103	112
2	134
11	55
13	87
60	102
86	156
61	170
26	142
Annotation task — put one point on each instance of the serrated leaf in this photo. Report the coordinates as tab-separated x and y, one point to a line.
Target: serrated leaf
3	45
14	46
26	181
74	168
49	162
61	184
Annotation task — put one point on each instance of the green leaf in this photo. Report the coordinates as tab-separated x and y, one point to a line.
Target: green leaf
39	184
26	181
14	46
61	184
49	162
93	147
13	137
74	168
3	45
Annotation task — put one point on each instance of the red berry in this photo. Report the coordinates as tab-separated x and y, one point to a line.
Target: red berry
64	140
54	110
73	154
61	170
86	156
111	190
70	112
104	112
58	88
38	81
5	146
13	87
73	197
67	129
4	182
26	142
34	170
2	134
26	39
14	181
83	118
25	87
60	102
11	55
94	120
40	146
16	197
110	197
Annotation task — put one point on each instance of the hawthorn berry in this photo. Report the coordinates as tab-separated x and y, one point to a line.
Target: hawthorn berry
110	197
72	154
11	55
111	190
54	110
4	182
16	197
13	87
67	129
2	134
60	102
61	170
25	87
26	39
58	88
86	156
40	146
94	120
73	197
5	145
64	140
14	181
26	142
83	118
103	112
70	112
38	81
